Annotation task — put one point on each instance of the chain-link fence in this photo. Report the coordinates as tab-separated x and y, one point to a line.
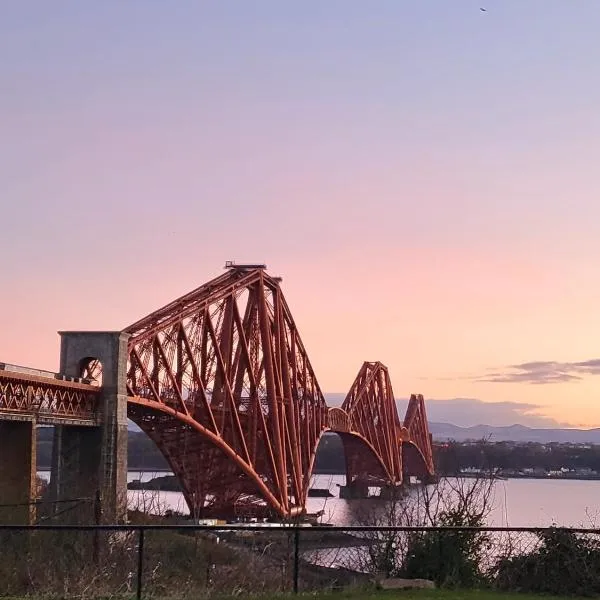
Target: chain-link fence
182	561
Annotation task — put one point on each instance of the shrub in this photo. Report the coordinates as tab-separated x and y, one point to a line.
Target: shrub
450	558
565	563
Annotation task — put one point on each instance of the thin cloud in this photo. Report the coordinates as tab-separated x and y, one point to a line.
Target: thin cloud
468	412
543	372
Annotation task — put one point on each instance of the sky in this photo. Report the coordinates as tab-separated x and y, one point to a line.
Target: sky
423	175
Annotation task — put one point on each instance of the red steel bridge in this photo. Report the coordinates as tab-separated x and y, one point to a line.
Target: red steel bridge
220	380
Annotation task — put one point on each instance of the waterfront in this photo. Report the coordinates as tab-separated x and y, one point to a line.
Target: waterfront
517	502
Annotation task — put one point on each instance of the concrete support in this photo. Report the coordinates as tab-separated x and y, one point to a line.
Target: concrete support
355	491
17	472
392	492
75	479
103	451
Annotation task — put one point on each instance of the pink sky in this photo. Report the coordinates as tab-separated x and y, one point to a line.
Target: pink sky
423	177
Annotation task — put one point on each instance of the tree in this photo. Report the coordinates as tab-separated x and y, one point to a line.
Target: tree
447	557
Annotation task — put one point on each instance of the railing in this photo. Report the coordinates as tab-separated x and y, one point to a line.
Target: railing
180	560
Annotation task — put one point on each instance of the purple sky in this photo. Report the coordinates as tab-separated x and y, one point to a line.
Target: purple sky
423	174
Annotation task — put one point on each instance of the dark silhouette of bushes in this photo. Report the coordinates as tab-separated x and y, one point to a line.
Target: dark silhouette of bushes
564	563
449	558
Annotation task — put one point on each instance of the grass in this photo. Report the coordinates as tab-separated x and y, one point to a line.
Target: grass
371	594
418	594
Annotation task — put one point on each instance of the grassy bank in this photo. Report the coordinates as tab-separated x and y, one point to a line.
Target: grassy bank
368	594
437	594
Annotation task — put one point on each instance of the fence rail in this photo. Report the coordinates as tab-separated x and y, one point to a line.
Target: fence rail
181	559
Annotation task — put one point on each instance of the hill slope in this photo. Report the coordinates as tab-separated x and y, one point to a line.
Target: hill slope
514	433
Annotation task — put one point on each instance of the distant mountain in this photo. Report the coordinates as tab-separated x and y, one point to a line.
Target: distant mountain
514	433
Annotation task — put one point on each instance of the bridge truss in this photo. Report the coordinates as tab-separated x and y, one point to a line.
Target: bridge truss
221	382
47	400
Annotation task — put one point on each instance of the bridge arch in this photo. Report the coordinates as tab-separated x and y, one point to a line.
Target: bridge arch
201	460
357	451
224	368
414	462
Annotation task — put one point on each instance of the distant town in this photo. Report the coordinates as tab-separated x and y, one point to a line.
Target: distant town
531	460
487	458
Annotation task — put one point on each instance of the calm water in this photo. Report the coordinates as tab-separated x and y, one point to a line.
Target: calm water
517	502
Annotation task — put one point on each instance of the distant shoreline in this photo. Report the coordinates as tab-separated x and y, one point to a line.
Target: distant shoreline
504	477
555	477
499	476
170	483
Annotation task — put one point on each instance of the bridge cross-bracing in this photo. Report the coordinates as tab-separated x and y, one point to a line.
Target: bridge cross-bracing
220	380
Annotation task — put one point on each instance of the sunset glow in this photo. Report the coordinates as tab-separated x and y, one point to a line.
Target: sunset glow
422	175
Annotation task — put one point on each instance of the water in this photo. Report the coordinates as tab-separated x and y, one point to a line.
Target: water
516	502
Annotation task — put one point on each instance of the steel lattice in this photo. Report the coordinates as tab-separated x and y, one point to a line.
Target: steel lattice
47	400
220	380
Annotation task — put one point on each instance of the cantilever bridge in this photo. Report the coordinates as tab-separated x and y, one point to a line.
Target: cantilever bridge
221	382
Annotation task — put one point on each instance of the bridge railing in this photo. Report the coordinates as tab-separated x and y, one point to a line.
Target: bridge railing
190	560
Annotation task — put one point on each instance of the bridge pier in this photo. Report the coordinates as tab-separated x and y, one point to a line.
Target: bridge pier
74	481
393	492
18	467
356	490
92	461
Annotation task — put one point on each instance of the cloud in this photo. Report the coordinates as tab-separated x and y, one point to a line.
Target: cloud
543	372
468	412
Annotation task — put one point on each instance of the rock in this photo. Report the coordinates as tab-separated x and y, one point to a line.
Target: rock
395	583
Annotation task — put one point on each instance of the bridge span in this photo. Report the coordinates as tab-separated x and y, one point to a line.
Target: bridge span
220	380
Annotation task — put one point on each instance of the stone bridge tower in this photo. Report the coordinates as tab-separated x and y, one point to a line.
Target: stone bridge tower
91	462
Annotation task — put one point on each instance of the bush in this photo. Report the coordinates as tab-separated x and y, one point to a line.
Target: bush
449	558
565	563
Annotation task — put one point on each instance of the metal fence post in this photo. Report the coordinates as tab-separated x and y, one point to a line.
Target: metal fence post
97	520
296	557
140	566
438	568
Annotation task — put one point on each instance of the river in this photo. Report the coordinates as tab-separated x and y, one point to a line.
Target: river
516	502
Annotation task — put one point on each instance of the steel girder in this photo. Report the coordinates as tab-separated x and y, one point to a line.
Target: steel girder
221	382
47	400
381	451
371	408
417	447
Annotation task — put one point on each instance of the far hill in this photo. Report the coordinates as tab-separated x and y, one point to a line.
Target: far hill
511	433
514	433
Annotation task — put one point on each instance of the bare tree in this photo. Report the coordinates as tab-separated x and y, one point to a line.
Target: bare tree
449	502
